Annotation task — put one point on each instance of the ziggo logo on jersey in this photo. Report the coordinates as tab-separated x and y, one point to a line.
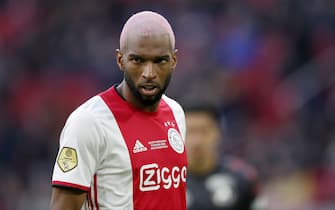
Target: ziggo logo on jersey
151	177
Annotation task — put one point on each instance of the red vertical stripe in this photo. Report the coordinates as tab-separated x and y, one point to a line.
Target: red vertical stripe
96	192
90	202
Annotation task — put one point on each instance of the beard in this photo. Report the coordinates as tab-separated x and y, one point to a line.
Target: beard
145	100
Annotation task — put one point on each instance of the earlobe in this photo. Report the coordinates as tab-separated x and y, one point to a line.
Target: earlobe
119	59
174	57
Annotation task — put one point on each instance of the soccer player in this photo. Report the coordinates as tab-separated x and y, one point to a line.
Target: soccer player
214	181
124	148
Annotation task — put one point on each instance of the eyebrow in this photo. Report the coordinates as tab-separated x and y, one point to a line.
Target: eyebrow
156	57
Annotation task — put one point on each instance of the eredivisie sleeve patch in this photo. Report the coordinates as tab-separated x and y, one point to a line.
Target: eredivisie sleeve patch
67	159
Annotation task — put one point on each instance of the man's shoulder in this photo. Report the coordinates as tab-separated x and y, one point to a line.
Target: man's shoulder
90	104
240	167
91	108
172	103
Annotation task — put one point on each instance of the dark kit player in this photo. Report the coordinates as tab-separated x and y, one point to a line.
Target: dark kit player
214	181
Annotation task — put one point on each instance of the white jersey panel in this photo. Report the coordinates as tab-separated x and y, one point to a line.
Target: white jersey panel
82	136
103	162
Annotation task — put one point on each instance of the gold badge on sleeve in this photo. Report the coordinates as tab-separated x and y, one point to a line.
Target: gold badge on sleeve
67	159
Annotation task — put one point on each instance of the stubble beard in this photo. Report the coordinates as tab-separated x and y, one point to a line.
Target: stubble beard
146	101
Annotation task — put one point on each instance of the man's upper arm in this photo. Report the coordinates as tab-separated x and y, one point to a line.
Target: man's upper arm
67	198
78	152
76	162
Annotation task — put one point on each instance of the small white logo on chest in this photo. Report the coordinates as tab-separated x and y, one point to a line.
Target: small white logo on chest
139	147
175	140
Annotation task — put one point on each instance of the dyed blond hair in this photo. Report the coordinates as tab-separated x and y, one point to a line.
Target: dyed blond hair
146	23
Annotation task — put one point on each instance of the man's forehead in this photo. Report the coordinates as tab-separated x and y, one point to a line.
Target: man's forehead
151	40
151	45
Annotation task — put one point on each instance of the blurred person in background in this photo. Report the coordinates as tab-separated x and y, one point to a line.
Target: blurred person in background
124	148
215	181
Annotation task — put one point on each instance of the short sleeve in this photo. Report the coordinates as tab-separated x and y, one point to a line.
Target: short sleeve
77	157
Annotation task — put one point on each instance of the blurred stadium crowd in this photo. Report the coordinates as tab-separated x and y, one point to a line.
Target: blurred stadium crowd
268	64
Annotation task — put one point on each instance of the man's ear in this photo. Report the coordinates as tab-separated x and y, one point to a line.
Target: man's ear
119	59
174	58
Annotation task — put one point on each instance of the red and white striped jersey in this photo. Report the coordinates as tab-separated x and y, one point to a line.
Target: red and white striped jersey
123	157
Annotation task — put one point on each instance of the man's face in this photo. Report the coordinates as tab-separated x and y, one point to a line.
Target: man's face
202	140
147	63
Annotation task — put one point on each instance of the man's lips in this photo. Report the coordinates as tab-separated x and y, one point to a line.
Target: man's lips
148	89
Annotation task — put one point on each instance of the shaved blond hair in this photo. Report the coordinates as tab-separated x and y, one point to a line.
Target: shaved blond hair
146	23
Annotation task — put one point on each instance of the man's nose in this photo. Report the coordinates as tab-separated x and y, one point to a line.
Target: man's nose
149	72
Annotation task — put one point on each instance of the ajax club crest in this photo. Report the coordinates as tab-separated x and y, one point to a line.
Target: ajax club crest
175	140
